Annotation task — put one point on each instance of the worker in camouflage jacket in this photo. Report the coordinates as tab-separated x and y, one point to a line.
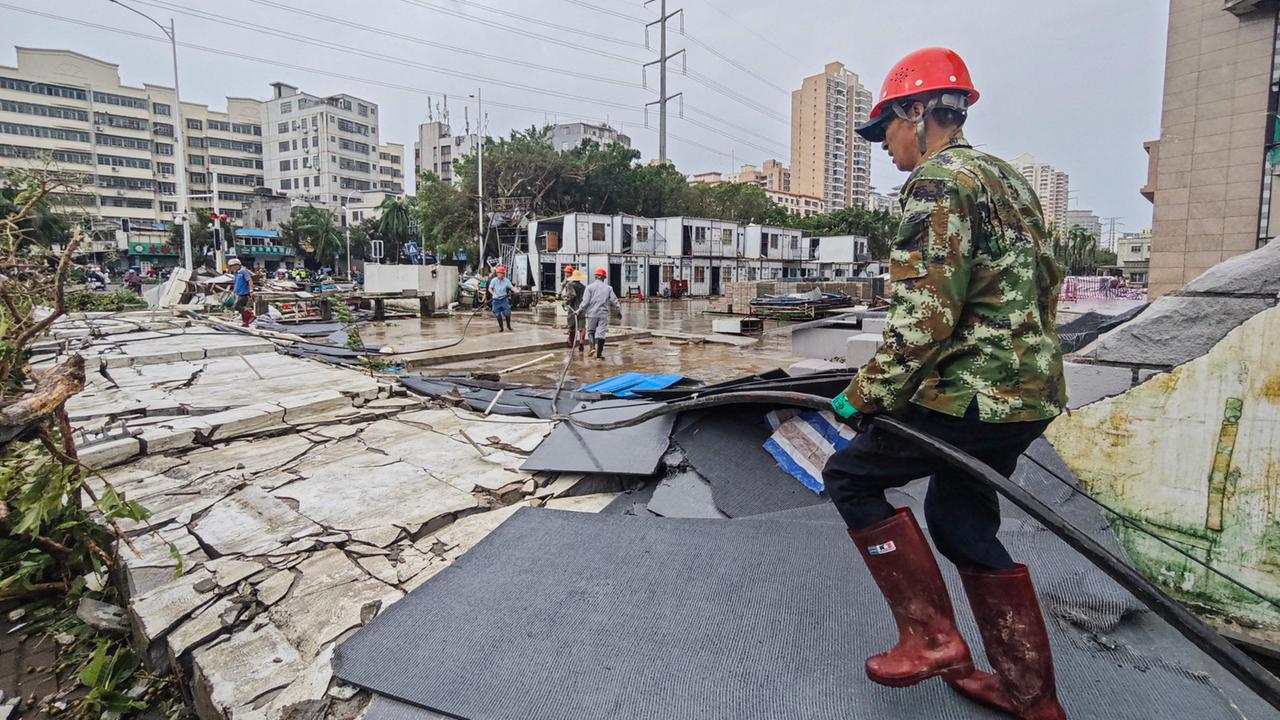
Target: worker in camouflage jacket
971	357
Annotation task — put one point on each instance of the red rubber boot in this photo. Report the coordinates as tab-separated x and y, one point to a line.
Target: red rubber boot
904	568
1004	604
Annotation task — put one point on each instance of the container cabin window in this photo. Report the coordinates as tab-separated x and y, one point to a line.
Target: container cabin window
699	274
597	232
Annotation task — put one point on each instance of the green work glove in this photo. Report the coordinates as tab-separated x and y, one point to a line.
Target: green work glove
845	410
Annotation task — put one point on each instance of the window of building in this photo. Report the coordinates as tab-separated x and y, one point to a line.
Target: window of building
194	124
125	162
315	121
631	273
164	168
195	142
121	100
43	88
282	127
295	163
164	149
700	234
121	142
45	132
294	144
773	241
286	107
795	243
195	159
306	161
699	274
597	232
317	181
164	129
726	236
306	182
168	207
286	184
197	178
160	108
315	141
666	273
167	188
220	125
1135	248
284	165
283	146
48	111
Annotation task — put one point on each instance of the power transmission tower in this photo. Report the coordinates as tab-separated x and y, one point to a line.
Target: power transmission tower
661	62
1112	223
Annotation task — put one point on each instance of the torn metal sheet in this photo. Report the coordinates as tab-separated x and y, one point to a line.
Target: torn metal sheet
633	450
774	595
727	448
627	385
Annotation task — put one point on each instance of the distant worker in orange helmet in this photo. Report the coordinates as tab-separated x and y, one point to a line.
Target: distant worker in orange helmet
500	290
970	356
571	291
596	301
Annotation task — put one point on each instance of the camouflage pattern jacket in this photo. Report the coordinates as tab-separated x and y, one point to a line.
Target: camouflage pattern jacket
974	297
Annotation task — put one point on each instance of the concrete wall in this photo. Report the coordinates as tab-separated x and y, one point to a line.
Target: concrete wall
1208	172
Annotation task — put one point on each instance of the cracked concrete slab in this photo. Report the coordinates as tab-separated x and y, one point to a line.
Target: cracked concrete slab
229	675
158	611
251	522
398	494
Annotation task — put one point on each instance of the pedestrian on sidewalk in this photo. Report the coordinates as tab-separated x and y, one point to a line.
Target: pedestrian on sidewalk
571	299
971	357
500	297
597	299
243	289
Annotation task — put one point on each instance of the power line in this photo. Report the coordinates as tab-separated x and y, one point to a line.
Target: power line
524	32
343	76
735	63
744	26
743	100
607	11
452	48
306	40
661	62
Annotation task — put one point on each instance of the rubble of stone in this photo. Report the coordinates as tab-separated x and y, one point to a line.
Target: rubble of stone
291	501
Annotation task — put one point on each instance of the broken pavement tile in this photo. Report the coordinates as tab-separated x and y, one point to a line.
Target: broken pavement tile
399	495
582	503
274	588
158	611
102	616
232	674
250	522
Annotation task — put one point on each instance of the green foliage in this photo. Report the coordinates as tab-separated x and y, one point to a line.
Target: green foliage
1077	251
314	231
608	180
116	301
394	224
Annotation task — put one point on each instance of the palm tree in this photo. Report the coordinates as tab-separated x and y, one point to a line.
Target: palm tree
317	229
394	223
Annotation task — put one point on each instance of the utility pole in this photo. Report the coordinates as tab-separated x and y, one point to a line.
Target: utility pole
480	174
1112	223
661	62
177	135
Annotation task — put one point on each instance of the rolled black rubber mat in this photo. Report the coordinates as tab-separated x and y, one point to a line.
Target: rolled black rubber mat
569	616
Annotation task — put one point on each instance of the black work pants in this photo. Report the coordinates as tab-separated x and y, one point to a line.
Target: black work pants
963	513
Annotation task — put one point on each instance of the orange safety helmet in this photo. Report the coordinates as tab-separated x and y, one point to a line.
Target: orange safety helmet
927	70
501	270
568	269
601	273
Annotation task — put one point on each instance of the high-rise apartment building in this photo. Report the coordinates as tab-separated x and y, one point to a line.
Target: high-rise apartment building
1088	220
1052	186
320	149
773	175
567	136
71	110
437	149
828	159
1212	173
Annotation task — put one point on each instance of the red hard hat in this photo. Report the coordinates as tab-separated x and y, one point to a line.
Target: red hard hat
926	70
601	273
500	270
568	269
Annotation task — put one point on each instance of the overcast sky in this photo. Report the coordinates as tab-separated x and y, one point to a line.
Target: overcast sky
1076	84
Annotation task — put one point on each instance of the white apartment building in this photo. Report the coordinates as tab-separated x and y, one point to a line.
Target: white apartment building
797	204
437	149
566	136
884	202
828	159
773	175
391	168
320	149
73	111
1052	186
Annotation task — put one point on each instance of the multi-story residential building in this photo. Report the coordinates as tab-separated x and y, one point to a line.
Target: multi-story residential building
437	149
707	178
567	136
1212	172
828	159
884	202
1133	255
1088	220
391	168
1052	186
773	175
797	204
72	110
320	149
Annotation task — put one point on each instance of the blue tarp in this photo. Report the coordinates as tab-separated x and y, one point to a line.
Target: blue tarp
802	442
625	384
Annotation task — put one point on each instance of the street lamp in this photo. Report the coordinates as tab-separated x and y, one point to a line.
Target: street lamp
347	211
177	133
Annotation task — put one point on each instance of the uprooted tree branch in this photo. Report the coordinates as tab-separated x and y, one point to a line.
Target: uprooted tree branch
58	534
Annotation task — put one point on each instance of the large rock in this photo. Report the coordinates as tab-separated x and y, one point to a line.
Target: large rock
1254	273
1176	329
